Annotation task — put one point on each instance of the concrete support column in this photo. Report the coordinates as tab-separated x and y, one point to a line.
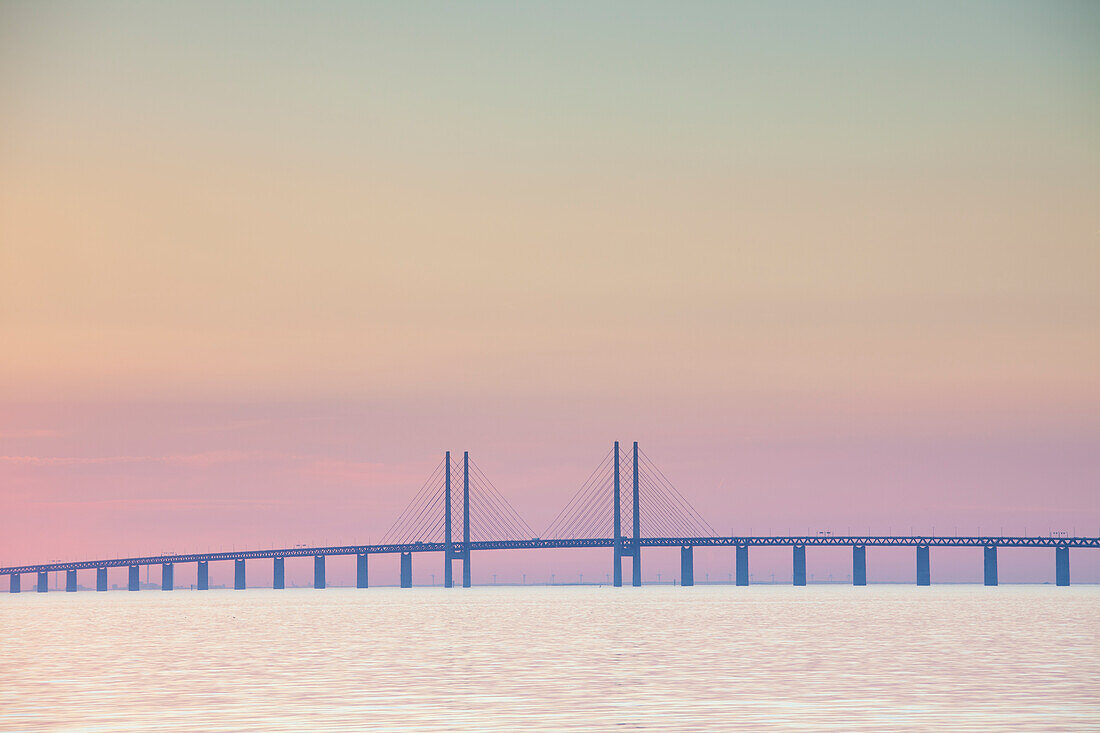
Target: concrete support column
101	579
800	564
166	580
203	575
687	565
924	571
134	581
239	580
278	576
16	580
70	581
1061	565
742	565
319	572
361	570
859	564
43	582
407	571
991	565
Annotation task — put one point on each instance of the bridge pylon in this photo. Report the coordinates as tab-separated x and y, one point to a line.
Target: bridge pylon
618	522
596	511
432	517
467	580
636	566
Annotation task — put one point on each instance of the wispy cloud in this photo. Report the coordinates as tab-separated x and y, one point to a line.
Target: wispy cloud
28	433
203	459
168	502
309	466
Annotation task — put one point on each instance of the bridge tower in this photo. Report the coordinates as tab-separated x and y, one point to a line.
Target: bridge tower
618	523
430	518
594	515
466	580
636	566
448	543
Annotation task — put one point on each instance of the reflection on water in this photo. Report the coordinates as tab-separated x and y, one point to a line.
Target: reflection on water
881	658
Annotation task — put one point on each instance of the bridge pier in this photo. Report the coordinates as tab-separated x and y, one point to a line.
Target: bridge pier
166	582
924	572
687	565
742	567
239	581
407	571
799	564
203	580
134	579
319	572
859	564
991	565
70	581
15	582
361	570
43	583
101	579
278	575
1061	566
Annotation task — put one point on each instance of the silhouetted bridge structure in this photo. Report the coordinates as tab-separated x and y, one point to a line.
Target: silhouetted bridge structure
593	518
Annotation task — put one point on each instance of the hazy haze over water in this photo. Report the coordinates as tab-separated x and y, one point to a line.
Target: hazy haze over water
550	659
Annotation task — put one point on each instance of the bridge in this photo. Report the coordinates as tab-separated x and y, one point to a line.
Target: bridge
484	520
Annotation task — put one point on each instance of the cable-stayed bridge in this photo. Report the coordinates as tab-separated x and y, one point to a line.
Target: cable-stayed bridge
626	504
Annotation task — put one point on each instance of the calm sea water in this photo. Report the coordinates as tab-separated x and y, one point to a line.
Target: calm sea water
836	658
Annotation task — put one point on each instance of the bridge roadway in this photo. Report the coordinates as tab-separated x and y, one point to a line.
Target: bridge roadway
796	541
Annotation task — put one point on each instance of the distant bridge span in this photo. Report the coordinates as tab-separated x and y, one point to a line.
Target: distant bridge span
588	504
541	544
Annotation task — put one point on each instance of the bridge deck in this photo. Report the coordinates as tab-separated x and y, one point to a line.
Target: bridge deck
545	544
